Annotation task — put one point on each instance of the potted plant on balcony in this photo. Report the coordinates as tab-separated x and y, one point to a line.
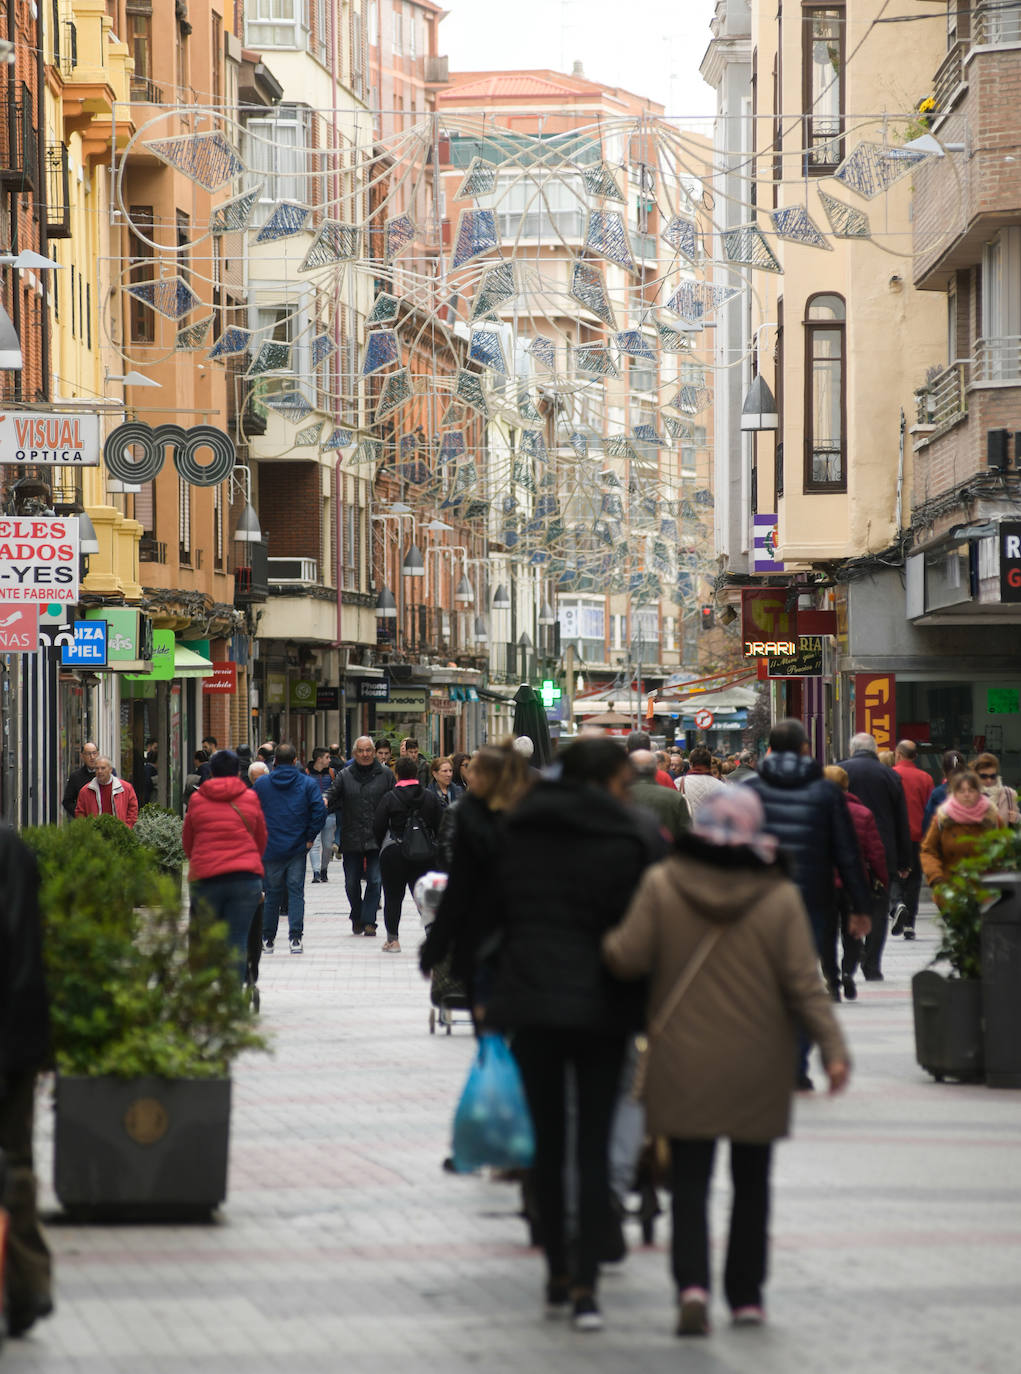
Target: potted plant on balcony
948	1010
148	1015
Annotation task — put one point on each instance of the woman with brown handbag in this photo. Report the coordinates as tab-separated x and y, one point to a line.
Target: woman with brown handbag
724	938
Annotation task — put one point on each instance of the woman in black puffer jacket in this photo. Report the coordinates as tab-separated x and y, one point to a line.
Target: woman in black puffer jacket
572	857
395	808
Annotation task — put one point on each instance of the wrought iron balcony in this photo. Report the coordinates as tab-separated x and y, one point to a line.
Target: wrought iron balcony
151	550
58	192
19	145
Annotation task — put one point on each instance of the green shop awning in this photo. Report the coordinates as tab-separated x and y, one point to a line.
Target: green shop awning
187	663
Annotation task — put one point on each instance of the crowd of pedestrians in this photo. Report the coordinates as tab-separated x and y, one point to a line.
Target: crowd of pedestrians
720	906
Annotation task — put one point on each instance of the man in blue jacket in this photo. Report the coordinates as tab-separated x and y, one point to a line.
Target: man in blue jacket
293	806
810	819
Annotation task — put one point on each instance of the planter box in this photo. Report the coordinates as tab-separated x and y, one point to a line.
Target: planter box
1001	981
143	1149
948	1026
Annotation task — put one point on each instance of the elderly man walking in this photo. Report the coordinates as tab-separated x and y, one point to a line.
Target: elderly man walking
107	795
881	790
354	796
918	787
293	807
671	810
84	773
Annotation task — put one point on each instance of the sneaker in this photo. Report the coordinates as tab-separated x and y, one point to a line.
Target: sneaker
356	929
899	915
693	1316
316	878
322	876
748	1316
558	1299
586	1315
874	978
267	946
392	947
369	930
805	1084
849	986
909	932
834	991
295	945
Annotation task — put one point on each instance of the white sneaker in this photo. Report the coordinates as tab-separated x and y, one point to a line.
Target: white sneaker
296	945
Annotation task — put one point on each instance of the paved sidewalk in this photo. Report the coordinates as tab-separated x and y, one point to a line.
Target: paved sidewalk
343	1245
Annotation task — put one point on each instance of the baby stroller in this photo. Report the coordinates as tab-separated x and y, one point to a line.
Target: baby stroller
445	992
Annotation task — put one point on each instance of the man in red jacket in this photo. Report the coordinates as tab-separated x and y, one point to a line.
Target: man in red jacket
917	786
107	795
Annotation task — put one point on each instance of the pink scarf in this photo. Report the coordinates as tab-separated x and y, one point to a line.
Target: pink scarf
967	815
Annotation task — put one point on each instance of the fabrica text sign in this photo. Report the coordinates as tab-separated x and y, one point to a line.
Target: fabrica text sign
39	558
55	440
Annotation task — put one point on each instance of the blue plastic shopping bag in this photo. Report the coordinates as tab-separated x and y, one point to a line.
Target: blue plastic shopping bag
492	1124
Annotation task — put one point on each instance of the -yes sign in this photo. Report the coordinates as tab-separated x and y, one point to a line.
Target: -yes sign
134	453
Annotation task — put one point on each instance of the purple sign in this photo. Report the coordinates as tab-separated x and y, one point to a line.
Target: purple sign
765	544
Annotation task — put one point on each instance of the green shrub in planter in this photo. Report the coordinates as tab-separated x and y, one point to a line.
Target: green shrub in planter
964	896
159	830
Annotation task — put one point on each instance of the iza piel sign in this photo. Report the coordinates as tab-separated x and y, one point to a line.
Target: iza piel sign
39	559
56	440
88	647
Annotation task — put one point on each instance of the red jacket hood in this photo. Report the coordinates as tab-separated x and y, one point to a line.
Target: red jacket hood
223	789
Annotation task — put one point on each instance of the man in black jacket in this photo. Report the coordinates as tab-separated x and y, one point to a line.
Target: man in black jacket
24	1048
809	817
354	796
83	774
881	790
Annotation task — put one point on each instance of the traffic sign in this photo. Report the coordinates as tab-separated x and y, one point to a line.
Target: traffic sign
19	629
704	719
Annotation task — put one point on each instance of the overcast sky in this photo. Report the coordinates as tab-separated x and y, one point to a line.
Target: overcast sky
651	47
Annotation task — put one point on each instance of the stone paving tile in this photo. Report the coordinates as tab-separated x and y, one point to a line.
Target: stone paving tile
344	1246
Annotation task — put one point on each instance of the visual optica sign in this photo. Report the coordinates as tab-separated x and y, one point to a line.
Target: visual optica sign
135	452
54	440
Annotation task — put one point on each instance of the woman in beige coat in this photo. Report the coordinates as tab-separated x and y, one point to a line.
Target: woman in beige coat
726	942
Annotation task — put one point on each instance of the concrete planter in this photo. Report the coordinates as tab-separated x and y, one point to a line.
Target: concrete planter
144	1149
948	1026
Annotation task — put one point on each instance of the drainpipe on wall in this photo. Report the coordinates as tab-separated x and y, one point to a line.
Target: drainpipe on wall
900	473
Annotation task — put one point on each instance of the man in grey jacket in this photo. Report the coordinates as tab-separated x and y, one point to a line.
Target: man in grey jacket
354	797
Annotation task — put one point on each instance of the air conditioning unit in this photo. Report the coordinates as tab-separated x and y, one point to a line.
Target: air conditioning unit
295	572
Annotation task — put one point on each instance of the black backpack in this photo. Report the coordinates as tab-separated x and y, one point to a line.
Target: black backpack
418	844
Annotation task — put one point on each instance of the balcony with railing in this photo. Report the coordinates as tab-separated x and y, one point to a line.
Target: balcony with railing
949	79
997	360
58	192
943	401
996	23
293	572
19	146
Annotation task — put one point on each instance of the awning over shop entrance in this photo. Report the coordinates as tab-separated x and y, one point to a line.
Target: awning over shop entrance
187	663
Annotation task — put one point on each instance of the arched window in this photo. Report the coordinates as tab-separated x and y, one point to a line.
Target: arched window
825	394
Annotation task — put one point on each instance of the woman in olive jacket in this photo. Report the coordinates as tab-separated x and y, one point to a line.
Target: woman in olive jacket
723	1062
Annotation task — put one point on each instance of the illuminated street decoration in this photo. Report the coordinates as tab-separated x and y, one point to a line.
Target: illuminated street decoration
747	245
872	168
589	289
335	242
846	221
207	159
286	220
793	223
171	297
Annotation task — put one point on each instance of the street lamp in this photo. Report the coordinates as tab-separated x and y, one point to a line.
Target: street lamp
501	599
463	592
481	634
386	606
546	616
132	379
88	540
414	563
248	531
759	410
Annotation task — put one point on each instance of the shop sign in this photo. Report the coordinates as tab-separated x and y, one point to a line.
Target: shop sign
19	629
39	559
276	689
224	680
55	440
875	707
442	706
766	620
129	637
405	701
89	647
164	647
1010	560
303	695
134	453
765	533
806	662
327	698
374	689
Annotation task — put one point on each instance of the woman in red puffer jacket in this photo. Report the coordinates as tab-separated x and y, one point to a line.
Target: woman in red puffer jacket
224	837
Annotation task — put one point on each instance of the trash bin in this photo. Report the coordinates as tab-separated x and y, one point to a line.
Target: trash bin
1001	981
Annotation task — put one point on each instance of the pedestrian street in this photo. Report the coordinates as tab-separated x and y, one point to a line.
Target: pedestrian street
344	1246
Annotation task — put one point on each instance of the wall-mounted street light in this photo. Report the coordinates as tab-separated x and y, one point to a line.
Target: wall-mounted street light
386	606
88	540
29	260
759	410
248	531
414	563
480	634
501	599
546	616
463	592
132	379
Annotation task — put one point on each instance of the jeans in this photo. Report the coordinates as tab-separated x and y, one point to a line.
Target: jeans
908	890
285	876
544	1055
747	1248
397	875
320	853
363	909
233	898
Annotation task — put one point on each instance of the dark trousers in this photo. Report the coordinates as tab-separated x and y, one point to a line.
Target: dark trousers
363	909
234	899
28	1255
908	890
868	953
747	1248
397	874
544	1056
